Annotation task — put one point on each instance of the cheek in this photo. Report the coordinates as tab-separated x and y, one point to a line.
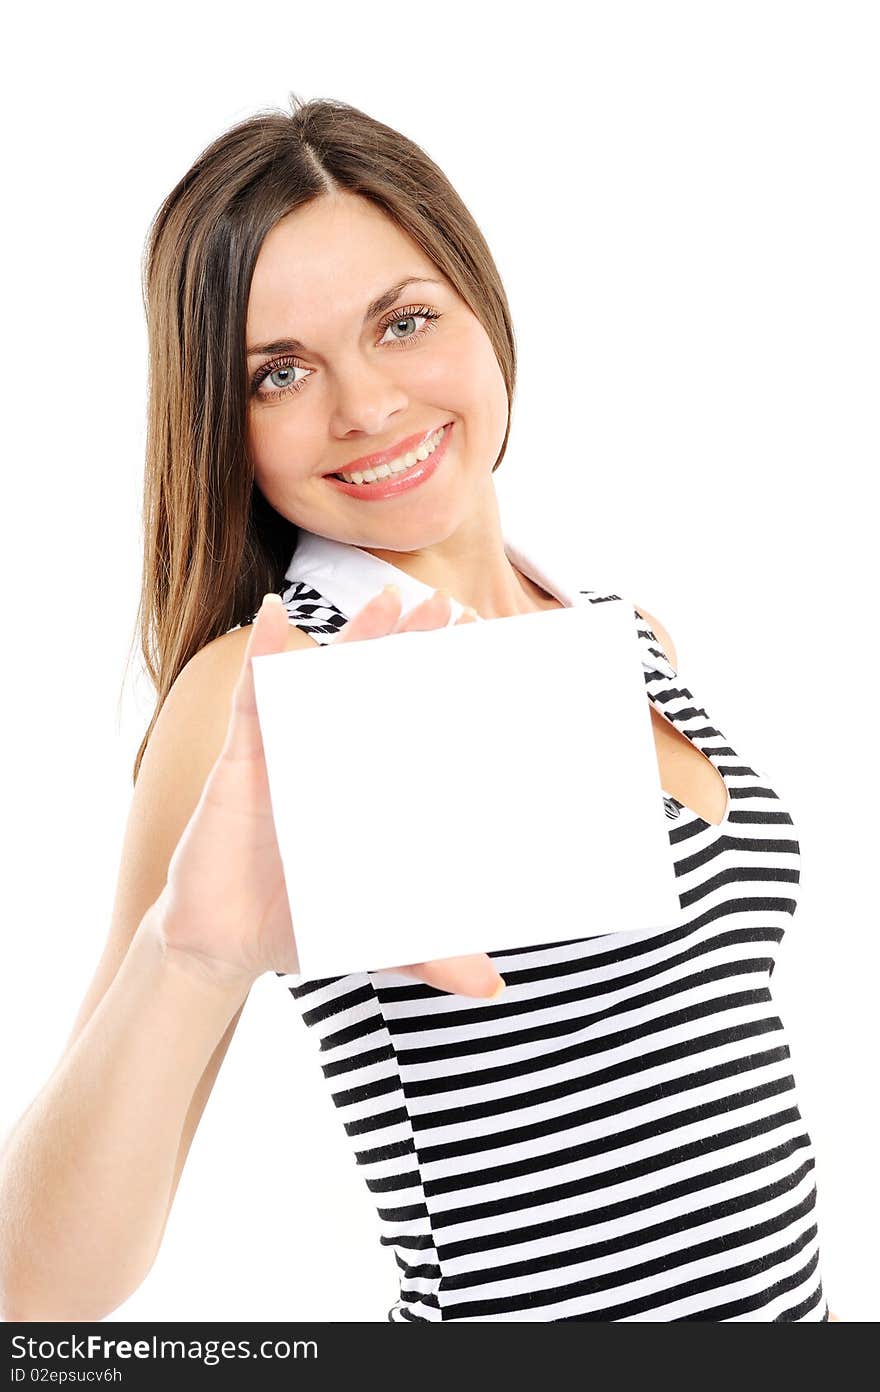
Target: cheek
277	439
466	374
482	392
266	431
279	453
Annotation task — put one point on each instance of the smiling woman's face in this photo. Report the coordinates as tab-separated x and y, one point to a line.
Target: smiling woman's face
356	386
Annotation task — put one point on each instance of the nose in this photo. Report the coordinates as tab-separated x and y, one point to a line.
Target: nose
366	400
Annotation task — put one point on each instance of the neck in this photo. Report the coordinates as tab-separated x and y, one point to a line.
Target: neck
472	564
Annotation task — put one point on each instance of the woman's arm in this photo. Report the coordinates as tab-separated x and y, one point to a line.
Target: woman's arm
88	1173
85	1175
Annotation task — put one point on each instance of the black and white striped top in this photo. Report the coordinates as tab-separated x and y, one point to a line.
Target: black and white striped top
618	1136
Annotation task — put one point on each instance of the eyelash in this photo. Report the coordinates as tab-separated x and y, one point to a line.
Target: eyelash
410	312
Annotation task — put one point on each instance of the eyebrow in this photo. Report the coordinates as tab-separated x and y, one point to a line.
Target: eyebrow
383	301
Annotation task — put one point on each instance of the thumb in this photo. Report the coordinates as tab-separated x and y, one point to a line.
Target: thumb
268	635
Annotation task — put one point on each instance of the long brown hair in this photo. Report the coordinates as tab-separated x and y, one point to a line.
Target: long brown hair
213	545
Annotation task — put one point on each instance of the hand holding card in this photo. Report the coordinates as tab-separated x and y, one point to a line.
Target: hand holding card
225	904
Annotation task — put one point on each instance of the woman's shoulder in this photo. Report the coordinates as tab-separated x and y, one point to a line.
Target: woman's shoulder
661	634
655	627
226	652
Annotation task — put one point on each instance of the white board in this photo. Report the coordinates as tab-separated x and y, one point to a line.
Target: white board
475	788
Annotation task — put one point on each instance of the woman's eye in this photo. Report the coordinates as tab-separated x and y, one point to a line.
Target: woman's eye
401	324
282	376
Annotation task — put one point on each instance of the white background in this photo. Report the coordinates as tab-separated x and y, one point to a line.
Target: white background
682	200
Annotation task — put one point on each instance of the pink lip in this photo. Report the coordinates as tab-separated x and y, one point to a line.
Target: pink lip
401	482
373	461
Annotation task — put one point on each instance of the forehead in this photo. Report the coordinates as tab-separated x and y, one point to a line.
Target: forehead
335	251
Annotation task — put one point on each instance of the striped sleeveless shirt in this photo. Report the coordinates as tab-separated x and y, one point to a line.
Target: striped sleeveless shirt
618	1136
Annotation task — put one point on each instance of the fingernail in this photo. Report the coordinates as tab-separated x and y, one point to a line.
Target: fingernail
391	589
470	611
498	989
272	598
447	594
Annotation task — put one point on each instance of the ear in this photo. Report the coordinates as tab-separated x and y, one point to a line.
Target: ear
664	638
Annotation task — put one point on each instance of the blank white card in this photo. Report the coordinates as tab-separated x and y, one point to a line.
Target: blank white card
475	788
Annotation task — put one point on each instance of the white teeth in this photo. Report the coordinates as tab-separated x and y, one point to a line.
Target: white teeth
397	466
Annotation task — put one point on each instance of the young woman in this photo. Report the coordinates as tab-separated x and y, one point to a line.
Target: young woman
598	1129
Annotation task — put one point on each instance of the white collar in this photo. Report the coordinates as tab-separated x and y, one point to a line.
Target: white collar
348	576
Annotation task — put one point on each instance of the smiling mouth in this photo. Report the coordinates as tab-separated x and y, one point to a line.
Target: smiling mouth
400	464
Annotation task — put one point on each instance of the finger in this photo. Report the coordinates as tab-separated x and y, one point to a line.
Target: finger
382	615
472	975
268	635
377	617
433	612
